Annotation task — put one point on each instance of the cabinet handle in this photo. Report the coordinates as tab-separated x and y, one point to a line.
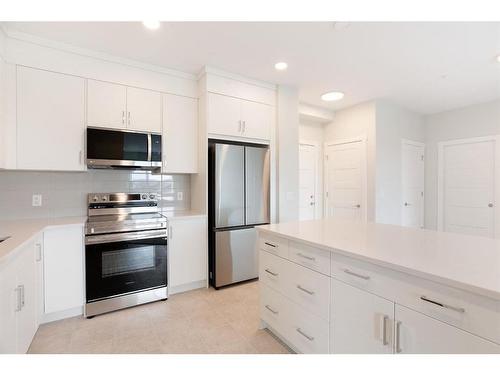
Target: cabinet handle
398	338
349	272
310	338
458	309
384	330
271	272
80	158
270	309
244	126
129	117
270	244
22	296
123	117
239	126
38	252
306	257
18	293
310	292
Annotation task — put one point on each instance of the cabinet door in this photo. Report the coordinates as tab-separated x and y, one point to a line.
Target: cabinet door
8	305
106	104
187	252
27	320
50	120
180	134
143	110
257	119
361	322
63	268
224	115
420	334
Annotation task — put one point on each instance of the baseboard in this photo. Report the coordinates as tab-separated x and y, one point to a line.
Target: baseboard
59	315
264	325
187	287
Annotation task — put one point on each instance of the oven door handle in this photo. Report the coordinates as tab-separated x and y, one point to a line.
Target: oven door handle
128	236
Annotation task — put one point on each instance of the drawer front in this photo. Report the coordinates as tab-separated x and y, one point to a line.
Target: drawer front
306	332
274	245
310	257
309	289
273	309
472	313
272	271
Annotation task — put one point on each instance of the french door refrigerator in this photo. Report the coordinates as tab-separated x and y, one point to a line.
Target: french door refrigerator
239	197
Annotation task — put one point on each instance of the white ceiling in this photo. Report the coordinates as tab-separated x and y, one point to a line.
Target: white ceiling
426	67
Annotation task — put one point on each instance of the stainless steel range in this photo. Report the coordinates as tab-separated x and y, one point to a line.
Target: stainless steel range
125	252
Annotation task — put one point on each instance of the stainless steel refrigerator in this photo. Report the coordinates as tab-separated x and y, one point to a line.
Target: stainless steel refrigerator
238	201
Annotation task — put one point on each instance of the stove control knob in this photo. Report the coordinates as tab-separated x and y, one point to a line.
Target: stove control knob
151	196
95	198
104	198
144	196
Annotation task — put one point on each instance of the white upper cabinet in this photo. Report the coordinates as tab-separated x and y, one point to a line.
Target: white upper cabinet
224	115
143	110
228	116
50	120
106	104
180	134
257	119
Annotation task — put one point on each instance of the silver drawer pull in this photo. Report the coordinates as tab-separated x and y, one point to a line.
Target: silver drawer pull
270	244
306	257
398	337
349	272
458	309
310	292
385	318
310	338
271	272
269	308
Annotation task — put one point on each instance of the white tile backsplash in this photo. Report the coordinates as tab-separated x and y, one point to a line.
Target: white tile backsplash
65	193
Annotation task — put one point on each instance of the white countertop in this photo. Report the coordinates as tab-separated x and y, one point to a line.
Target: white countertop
23	230
182	214
466	262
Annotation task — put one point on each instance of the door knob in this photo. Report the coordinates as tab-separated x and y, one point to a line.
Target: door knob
312	203
357	206
407	204
490	205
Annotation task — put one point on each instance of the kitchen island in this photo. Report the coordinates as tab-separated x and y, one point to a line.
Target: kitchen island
336	286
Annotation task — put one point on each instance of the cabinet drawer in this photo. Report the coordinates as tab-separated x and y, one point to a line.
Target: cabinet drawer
472	313
310	257
272	271
273	244
306	332
309	289
273	309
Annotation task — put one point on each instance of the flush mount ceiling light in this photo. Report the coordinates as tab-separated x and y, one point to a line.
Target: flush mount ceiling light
332	96
281	66
152	25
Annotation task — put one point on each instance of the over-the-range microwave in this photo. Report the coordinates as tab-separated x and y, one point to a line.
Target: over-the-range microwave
123	149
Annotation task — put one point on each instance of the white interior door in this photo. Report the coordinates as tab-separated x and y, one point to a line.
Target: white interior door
307	181
412	184
467	186
346	180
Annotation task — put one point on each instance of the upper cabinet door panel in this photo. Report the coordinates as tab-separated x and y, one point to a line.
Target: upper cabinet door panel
257	119
50	120
143	110
180	134
106	104
224	115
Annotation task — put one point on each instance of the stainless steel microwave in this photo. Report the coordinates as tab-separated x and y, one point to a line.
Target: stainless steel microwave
123	149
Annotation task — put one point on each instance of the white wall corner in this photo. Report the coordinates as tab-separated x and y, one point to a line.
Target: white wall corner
309	112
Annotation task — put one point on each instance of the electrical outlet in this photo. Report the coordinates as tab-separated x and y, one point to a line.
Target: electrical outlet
180	196
36	200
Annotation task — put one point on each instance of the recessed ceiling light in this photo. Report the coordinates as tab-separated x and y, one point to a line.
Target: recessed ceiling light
152	25
281	66
332	96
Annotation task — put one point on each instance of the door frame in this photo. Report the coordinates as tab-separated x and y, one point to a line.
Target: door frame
364	171
317	185
440	192
405	141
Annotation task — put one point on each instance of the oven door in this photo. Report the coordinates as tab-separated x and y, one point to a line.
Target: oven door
123	267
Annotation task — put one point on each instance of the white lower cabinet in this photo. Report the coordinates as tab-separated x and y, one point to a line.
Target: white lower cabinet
63	252
18	304
361	322
187	252
417	333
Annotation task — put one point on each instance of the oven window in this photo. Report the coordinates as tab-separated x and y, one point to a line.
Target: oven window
121	262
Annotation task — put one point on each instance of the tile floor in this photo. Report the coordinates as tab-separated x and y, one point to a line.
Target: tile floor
200	321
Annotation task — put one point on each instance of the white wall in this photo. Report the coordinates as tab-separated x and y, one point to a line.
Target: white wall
393	124
288	153
353	122
473	121
312	131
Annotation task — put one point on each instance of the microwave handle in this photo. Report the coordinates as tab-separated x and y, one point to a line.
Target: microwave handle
149	147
